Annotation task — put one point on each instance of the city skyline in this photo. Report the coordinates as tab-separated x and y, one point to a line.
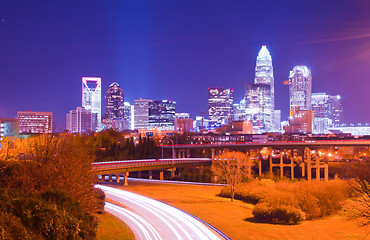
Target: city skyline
166	52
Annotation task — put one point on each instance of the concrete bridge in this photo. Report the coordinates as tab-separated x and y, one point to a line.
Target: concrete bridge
123	168
308	155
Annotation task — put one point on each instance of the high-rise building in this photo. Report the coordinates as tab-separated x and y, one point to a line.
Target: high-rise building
328	111
35	122
320	107
91	95
336	110
300	88
220	104
114	109
265	72
128	116
81	121
162	114
141	113
114	100
258	107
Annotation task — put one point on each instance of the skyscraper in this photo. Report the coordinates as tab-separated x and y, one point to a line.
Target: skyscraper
91	95
114	109
300	88
328	111
220	104
162	114
258	107
114	100
336	110
141	113
320	107
265	72
129	116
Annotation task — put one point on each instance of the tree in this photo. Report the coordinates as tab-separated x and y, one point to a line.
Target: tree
232	168
360	185
59	163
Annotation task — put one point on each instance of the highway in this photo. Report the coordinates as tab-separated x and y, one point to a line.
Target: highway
151	219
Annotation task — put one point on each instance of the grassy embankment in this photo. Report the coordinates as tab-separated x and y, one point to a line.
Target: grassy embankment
230	218
111	228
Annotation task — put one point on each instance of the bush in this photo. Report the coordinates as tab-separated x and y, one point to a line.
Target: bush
313	198
280	214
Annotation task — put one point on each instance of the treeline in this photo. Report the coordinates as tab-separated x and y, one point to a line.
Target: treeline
51	195
110	145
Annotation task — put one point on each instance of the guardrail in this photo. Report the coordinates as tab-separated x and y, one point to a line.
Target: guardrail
146	162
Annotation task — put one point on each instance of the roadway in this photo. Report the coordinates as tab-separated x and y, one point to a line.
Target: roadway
276	144
151	219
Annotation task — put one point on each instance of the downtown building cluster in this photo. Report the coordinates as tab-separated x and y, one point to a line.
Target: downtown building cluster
143	114
309	112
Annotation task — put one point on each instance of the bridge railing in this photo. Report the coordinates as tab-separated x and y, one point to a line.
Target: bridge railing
146	162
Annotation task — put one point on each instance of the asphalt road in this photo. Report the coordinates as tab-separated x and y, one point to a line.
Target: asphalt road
151	219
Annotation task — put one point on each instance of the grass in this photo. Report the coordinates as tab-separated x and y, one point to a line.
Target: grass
111	228
230	218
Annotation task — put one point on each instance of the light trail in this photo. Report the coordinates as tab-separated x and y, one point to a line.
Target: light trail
142	228
151	219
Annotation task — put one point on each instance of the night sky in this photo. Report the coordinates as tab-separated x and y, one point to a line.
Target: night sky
177	49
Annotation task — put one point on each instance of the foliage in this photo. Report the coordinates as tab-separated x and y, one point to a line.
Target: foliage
314	199
278	214
232	168
359	207
52	215
58	163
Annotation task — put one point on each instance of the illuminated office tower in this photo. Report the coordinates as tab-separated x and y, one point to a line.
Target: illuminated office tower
265	73
35	122
328	111
129	116
162	114
91	95
81	121
114	100
320	107
114	109
300	88
258	107
336	110
141	113
220	104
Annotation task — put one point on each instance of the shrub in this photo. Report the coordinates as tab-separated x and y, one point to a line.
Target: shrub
278	214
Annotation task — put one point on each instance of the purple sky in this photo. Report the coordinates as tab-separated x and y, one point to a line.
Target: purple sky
177	49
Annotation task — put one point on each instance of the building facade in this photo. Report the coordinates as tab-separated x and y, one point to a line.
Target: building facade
81	121
128	116
141	113
328	111
91	95
220	104
258	107
9	127
162	114
300	122
265	73
35	122
183	122
300	88
114	108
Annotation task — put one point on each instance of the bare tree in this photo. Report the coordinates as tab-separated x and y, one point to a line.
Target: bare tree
232	168
360	185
